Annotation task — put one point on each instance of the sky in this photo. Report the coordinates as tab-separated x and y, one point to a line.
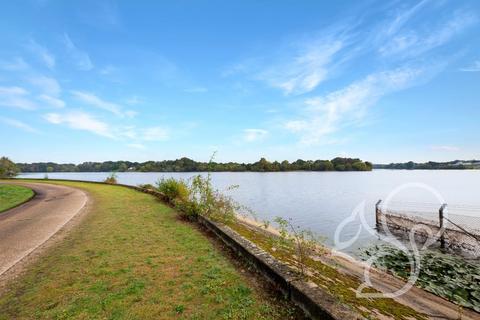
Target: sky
385	81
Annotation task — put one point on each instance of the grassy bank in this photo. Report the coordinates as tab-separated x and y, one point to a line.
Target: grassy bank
132	258
11	196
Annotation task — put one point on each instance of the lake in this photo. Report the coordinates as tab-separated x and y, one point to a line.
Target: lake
320	201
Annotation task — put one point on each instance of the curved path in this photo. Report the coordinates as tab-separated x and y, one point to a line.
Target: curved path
26	227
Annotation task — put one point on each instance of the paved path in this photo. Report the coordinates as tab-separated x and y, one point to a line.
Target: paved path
25	228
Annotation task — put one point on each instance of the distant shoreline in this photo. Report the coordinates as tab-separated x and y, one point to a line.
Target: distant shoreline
431	165
189	165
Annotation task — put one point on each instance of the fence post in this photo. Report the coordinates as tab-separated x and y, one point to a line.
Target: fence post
377	212
442	230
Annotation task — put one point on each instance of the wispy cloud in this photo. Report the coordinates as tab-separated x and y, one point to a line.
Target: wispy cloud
306	69
474	67
16	97
410	45
47	85
80	121
43	53
253	135
402	18
16	64
80	58
18	124
445	148
51	101
138	146
95	101
324	115
155	134
134	100
408	42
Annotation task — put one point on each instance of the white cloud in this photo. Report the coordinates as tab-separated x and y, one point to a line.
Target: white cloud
16	97
402	18
95	101
475	67
43	53
18	124
81	58
445	148
128	132
410	43
13	91
47	85
252	135
80	121
52	101
136	146
327	114
155	134
17	64
306	69
144	134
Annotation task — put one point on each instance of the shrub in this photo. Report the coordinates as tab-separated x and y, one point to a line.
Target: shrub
209	202
176	191
111	179
147	186
304	243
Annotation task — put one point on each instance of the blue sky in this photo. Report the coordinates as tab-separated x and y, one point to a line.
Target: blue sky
150	80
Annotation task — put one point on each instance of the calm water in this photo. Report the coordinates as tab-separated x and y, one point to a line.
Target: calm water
320	201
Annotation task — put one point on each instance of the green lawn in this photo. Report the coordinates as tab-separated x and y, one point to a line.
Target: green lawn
132	258
11	196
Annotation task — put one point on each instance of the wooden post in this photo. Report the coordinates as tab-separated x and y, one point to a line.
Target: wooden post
442	230
377	212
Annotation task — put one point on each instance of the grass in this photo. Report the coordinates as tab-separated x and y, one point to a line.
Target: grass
133	258
11	196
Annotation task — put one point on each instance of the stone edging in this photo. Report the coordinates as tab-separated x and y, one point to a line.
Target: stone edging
313	300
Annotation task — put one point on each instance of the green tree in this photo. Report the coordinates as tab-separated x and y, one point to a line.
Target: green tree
8	169
359	166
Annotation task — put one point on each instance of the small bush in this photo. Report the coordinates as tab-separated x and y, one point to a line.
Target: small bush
176	191
111	179
147	186
304	243
209	202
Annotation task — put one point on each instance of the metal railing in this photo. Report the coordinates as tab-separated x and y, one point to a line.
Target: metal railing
454	226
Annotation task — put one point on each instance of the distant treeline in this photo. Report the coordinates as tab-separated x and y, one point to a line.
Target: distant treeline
456	164
188	165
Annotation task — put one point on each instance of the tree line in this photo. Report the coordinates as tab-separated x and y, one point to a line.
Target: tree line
189	165
432	165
